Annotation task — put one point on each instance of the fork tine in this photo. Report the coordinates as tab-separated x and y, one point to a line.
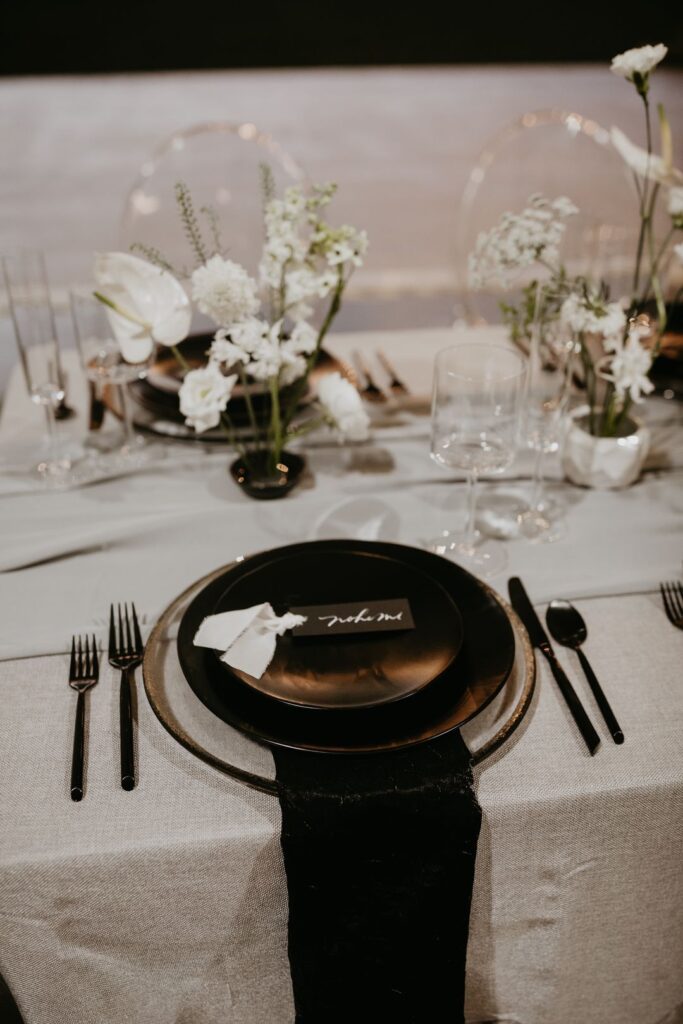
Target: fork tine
136	631
72	663
129	640
87	655
665	598
112	632
95	660
119	644
675	595
79	670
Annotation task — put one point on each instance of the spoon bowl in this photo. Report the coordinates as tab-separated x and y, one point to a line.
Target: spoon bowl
566	624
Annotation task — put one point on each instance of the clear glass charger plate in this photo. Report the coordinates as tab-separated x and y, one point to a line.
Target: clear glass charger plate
232	752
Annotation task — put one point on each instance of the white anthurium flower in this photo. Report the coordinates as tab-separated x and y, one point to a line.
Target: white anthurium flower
675	205
343	407
204	394
145	304
645	165
638	61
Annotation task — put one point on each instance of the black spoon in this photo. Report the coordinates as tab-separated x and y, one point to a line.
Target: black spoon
568	628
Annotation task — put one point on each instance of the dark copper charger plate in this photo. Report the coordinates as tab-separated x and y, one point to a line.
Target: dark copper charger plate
155	396
354	670
476	675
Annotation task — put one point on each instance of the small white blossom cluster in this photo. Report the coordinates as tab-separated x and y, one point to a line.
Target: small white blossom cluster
520	240
587	314
263	350
629	363
638	63
224	291
303	257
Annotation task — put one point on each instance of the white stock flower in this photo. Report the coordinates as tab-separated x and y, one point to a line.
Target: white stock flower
303	338
144	304
638	61
343	407
224	291
630	367
204	395
645	165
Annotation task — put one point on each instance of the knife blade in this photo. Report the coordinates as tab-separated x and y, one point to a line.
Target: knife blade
519	600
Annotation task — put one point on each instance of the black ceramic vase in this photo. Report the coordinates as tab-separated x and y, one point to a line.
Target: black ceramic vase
256	476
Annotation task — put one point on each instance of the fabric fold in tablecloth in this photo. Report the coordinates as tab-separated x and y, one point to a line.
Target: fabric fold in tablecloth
379	853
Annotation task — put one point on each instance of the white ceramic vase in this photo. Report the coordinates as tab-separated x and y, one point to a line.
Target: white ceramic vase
603	462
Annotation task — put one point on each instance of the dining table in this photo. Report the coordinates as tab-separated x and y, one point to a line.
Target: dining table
169	903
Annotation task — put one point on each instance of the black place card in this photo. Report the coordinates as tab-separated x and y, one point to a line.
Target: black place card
354	617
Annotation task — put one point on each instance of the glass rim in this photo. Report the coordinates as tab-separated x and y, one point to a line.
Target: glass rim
498	346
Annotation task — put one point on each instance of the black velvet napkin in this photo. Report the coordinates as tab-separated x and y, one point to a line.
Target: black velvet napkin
379	852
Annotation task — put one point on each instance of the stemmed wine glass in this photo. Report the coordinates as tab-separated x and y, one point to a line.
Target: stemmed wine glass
478	389
546	399
31	310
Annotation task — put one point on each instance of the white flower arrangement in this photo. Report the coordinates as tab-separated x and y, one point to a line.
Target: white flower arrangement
576	306
264	334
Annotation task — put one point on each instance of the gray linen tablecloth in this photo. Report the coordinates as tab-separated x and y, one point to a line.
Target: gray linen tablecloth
169	903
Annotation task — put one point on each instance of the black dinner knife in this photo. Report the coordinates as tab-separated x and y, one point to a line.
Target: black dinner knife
539	638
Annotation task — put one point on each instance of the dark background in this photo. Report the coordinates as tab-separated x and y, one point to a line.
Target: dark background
76	36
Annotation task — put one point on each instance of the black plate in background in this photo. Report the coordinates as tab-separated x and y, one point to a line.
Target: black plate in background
477	675
354	670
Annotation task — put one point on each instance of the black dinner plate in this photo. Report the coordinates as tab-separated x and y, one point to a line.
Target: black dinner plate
350	670
468	684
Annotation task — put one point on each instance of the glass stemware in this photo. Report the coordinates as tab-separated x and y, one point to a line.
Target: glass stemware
546	400
105	367
475	424
33	318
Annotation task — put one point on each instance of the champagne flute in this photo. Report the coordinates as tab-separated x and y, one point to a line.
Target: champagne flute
477	396
546	399
32	315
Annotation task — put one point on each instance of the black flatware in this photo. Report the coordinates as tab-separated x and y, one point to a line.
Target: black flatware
672	596
84	671
522	605
566	625
125	653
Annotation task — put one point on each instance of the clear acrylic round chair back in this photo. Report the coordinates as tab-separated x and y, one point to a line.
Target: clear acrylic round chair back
220	163
556	153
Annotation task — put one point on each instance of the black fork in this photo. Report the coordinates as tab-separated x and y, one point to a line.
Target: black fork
125	653
672	596
84	671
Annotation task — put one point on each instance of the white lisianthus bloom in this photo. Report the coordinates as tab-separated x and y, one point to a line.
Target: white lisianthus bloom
144	304
204	394
224	291
645	165
638	61
675	205
343	407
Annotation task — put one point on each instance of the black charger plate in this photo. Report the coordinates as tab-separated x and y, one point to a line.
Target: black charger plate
472	680
352	670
